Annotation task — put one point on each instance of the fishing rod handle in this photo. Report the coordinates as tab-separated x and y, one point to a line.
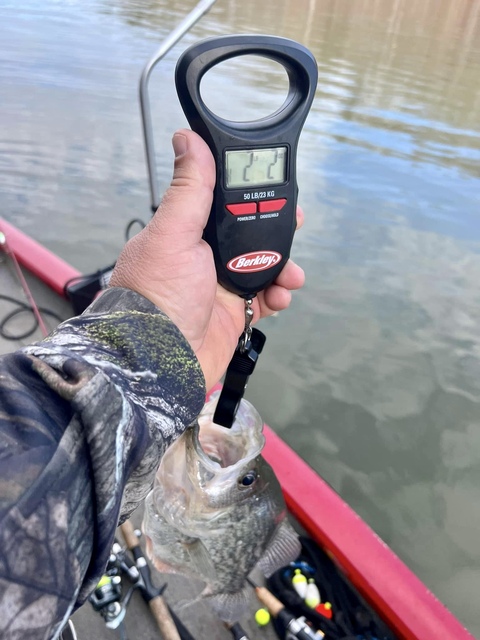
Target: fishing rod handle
129	535
164	620
267	598
157	604
237	632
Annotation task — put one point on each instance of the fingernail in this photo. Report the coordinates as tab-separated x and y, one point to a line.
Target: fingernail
179	143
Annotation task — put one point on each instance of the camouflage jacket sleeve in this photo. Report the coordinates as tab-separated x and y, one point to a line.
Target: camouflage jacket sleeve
85	416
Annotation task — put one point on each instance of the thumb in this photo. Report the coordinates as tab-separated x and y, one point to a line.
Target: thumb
176	229
186	205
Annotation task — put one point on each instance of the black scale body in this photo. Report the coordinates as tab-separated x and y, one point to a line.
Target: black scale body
251	227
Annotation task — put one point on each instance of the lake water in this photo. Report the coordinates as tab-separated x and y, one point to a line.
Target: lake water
373	374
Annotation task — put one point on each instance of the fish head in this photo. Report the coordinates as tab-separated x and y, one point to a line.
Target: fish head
211	469
224	465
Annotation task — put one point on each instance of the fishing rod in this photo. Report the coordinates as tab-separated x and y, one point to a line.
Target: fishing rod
237	631
295	628
167	621
153	596
108	600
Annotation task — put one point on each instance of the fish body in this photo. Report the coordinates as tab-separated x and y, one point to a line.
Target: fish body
216	510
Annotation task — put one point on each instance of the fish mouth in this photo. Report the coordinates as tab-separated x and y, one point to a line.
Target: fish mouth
219	447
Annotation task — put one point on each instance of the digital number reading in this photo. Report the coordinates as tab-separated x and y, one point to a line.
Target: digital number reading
256	167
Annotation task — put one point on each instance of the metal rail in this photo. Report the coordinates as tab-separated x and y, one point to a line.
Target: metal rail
187	23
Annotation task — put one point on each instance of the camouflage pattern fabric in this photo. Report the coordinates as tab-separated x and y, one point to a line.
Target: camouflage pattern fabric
85	416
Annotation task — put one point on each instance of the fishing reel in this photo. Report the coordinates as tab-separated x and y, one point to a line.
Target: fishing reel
130	564
106	599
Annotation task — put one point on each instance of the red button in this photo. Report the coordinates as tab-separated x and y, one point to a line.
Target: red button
271	205
242	208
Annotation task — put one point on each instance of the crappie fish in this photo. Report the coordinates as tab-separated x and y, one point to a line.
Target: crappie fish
216	510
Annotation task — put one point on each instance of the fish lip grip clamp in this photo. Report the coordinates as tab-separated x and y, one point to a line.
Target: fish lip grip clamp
253	217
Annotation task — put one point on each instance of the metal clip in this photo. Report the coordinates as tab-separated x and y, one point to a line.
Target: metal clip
244	342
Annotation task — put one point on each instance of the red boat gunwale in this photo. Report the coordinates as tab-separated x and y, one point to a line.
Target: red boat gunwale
39	261
402	600
395	592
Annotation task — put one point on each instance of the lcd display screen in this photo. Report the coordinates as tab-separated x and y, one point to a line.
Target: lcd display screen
255	167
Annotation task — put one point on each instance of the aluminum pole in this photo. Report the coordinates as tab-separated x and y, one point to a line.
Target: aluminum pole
187	23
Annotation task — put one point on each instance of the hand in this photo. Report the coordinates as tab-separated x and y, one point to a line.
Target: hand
170	264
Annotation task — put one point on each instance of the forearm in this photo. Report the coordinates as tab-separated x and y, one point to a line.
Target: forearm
84	419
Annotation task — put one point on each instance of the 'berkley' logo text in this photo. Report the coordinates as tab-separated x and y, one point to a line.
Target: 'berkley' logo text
254	261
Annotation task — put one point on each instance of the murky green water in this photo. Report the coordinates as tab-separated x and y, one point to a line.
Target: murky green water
373	375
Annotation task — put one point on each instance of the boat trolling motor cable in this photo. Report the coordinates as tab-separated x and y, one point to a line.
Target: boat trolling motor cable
132	222
22	306
23	282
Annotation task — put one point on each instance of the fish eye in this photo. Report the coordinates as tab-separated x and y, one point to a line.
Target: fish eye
248	479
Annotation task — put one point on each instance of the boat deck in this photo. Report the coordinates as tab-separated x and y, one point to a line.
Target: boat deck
198	618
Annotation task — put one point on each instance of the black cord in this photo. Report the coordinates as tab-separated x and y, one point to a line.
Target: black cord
75	279
22	308
71	281
130	225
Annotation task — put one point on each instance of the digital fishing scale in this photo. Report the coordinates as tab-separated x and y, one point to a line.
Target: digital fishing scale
253	217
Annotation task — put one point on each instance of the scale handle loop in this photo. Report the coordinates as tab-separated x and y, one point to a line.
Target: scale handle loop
297	60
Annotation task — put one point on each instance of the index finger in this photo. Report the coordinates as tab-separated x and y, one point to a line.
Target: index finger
300	218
